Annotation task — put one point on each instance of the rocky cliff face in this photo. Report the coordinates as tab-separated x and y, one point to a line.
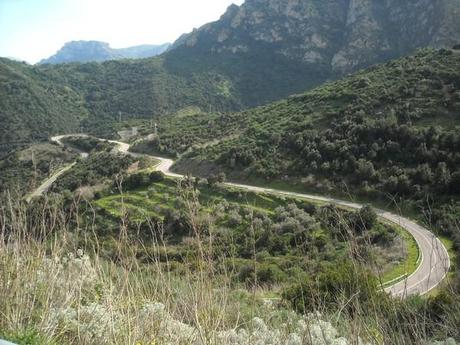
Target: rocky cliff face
341	34
88	51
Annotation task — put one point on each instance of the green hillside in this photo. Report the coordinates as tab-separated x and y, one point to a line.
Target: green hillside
391	128
254	54
32	106
38	101
142	88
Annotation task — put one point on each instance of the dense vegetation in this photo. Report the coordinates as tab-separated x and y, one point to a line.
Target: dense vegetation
290	239
37	101
141	88
98	168
88	144
217	255
389	134
24	170
379	131
32	106
84	277
236	62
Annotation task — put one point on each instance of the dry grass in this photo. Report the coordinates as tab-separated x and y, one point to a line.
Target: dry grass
55	282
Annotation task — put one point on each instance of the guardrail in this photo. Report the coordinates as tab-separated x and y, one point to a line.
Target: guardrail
4	342
403	276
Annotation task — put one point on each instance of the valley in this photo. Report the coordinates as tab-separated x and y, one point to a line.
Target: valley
427	275
286	172
285	218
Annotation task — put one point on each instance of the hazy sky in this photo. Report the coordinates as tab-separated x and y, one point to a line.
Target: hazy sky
34	29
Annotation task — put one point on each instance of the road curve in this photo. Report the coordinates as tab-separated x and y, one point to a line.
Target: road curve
43	188
434	262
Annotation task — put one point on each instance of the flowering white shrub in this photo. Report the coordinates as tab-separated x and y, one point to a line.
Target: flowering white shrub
449	341
93	323
155	319
309	330
96	323
69	273
76	315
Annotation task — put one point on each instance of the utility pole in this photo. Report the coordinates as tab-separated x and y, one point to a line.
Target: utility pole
155	131
34	164
119	116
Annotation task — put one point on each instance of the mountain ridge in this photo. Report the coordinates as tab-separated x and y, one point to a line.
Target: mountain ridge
344	34
98	51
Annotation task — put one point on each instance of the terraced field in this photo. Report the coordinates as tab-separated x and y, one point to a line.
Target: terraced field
161	198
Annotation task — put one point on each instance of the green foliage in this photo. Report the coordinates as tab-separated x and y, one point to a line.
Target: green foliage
24	169
393	134
98	167
253	78
336	286
33	106
365	219
156	176
264	240
88	144
134	181
27	337
37	101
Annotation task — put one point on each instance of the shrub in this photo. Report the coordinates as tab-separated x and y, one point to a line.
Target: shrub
156	176
365	219
331	288
270	274
135	181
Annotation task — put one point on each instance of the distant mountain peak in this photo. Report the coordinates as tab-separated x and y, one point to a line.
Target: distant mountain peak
97	51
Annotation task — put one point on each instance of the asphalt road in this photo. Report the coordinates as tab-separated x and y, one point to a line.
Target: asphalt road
43	188
434	262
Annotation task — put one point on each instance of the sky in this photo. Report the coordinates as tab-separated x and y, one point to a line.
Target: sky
31	30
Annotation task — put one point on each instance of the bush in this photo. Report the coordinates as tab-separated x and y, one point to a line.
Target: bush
270	274
135	181
234	219
156	176
365	219
332	288
246	274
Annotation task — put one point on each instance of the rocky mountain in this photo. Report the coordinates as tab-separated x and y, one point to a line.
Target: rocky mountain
270	49
339	35
89	51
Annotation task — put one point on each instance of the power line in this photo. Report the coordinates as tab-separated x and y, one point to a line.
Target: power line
16	143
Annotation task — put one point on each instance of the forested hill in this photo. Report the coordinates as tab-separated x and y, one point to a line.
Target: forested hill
36	101
391	129
32	106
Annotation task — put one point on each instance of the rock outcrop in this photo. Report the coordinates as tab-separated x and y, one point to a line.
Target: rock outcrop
343	35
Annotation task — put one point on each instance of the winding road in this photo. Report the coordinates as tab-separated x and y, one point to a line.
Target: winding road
434	261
